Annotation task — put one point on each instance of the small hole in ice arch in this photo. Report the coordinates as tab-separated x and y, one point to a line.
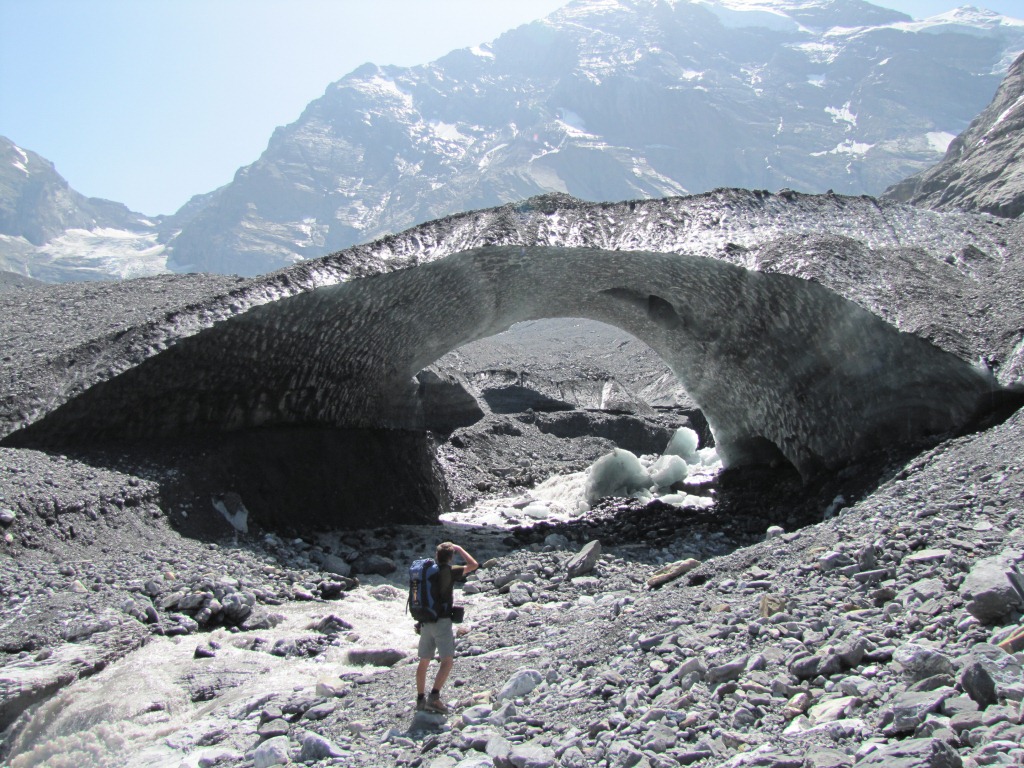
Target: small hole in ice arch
663	313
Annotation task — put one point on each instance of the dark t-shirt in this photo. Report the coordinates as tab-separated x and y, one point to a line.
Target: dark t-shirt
447	577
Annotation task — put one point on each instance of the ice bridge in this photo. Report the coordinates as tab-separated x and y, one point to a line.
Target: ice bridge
780	366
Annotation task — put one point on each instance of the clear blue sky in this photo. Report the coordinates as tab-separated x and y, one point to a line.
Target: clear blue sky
148	102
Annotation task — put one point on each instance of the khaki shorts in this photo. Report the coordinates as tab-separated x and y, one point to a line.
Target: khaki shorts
437	636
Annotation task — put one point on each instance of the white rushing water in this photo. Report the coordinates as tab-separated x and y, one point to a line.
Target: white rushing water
139	712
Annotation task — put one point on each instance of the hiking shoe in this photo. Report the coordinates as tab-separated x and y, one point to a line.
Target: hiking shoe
421	704
434	704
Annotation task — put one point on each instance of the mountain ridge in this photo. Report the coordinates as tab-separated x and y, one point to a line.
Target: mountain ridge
51	232
649	99
609	101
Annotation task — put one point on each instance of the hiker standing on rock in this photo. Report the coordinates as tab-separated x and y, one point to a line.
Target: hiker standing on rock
438	636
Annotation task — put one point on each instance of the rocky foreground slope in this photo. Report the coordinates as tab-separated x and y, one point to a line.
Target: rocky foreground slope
890	634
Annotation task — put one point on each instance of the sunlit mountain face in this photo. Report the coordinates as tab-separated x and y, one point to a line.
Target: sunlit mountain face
603	100
611	101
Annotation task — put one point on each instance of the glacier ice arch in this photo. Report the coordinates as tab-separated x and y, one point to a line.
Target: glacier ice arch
778	364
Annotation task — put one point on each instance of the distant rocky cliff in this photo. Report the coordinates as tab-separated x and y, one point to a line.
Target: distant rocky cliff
981	171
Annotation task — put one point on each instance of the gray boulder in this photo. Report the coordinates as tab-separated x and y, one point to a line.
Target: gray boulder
809	667
498	748
333	625
334	564
584	561
729	671
316	747
272	752
520	684
375	657
823	757
475	761
988	674
520	594
374	564
238	606
993	590
912	708
920	662
913	753
531	755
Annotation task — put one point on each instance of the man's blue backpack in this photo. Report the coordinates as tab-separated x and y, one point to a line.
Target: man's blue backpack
424	591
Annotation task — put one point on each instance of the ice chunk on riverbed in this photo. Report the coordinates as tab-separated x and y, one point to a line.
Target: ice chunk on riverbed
621	473
684	444
618	473
668	470
708	457
230	505
687	500
537	510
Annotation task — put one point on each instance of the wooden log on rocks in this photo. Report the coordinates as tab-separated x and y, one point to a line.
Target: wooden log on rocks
671	572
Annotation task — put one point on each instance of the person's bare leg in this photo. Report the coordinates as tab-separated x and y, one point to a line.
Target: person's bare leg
442	674
421	676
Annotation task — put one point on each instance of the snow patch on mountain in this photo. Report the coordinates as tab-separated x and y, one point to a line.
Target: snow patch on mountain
120	252
817	52
448	132
573	125
22	164
974	22
966	19
737	14
1006	113
380	86
939	141
848	147
842	115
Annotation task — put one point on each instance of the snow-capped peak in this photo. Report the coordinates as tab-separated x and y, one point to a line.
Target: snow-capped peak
965	17
769	14
981	17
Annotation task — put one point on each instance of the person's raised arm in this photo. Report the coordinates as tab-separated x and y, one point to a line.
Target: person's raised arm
471	564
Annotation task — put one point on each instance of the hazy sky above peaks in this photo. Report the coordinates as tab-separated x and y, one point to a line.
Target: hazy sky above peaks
148	102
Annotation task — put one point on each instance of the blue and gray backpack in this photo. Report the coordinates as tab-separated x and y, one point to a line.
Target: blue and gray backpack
424	591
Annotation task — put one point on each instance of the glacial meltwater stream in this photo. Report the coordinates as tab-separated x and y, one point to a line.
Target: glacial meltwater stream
161	707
